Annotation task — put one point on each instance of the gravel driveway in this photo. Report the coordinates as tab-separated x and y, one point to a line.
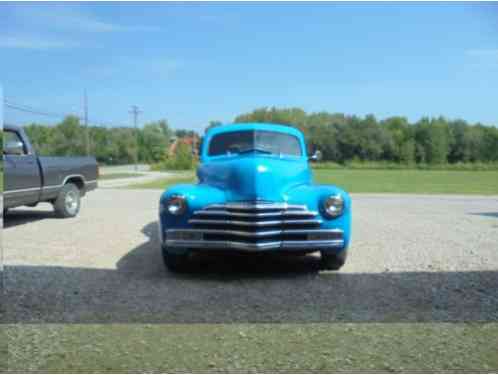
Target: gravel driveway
414	258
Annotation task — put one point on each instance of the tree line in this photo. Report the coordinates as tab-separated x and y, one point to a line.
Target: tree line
339	137
109	145
342	138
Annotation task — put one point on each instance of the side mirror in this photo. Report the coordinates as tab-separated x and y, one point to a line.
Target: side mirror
13	148
317	156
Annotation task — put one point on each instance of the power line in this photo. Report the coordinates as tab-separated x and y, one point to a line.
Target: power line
28	109
15	101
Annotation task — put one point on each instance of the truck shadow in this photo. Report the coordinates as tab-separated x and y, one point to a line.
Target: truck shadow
242	290
19	217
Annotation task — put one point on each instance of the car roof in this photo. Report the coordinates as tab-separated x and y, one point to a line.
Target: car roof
254	126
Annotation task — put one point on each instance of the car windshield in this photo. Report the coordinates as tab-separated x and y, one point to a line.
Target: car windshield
257	141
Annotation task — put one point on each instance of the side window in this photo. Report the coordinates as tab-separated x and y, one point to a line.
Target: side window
11	139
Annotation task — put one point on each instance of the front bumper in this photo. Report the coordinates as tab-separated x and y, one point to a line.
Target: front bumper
255	226
200	239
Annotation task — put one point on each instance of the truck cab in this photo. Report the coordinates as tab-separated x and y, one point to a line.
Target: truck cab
30	179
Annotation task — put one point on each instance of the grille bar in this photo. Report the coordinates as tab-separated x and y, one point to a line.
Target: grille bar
292	245
268	223
268	233
255	214
257	206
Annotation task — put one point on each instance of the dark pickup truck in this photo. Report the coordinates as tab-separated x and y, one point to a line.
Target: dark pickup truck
30	179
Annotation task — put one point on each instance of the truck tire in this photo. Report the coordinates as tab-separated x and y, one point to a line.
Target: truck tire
68	201
175	262
332	261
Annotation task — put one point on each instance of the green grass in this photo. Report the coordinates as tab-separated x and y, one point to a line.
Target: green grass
387	181
3	346
349	347
411	181
356	164
165	182
112	176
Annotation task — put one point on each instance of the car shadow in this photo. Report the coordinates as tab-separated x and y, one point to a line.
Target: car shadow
146	260
242	289
19	217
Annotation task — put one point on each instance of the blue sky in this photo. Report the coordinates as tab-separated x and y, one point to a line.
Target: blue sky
191	63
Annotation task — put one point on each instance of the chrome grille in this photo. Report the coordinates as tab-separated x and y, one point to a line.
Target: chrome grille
256	220
255	226
254	217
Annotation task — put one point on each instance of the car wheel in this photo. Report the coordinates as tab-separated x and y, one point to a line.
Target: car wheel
68	201
332	261
175	262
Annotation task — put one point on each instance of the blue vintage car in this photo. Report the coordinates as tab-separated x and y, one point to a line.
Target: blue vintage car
255	194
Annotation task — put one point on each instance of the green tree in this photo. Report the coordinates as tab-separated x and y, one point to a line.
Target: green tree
403	145
41	138
69	138
154	141
212	124
340	137
439	142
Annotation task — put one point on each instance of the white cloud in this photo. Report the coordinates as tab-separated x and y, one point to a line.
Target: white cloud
56	26
34	42
77	21
61	17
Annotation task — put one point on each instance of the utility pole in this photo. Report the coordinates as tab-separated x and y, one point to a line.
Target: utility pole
135	112
87	131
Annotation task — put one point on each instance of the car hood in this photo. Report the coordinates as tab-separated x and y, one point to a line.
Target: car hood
251	177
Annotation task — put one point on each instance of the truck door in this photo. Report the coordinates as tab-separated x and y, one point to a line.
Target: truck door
22	175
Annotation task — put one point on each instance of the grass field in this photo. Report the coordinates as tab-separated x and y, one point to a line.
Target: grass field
349	347
388	181
112	176
411	181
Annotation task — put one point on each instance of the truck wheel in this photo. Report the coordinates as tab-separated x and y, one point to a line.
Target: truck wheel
332	261
68	201
175	262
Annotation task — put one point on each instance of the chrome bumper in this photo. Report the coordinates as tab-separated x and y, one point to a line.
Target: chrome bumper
195	239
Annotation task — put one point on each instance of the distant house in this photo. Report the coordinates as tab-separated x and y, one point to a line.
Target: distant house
192	142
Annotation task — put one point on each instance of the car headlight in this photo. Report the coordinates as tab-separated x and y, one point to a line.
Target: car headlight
334	205
176	205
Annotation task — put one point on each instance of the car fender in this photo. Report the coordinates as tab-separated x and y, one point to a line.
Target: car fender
196	195
314	195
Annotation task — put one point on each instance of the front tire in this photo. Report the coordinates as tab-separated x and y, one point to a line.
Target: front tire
175	262
68	201
332	261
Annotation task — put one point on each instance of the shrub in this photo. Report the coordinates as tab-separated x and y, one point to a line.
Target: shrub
182	160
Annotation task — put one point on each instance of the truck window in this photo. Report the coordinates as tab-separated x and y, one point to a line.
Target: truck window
10	136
